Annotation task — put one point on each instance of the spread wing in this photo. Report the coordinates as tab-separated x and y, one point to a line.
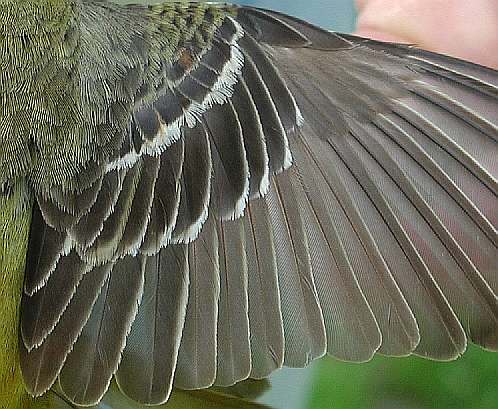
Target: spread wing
259	192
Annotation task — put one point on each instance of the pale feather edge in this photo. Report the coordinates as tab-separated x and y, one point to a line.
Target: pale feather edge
80	248
178	339
47	332
169	134
192	232
75	340
287	154
122	346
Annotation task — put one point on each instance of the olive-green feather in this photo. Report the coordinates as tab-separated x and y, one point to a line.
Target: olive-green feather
15	217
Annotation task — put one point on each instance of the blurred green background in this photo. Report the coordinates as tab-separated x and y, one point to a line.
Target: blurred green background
385	383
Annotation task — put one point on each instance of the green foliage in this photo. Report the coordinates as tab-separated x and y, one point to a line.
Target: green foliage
471	382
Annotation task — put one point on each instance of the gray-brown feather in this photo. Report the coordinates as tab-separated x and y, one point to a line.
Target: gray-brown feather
196	366
149	359
265	313
381	237
234	350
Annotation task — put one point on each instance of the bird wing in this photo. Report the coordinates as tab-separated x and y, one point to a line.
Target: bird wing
258	192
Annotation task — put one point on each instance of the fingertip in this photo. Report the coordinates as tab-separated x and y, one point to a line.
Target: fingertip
360	4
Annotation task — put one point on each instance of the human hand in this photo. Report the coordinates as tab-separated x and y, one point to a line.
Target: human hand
464	29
